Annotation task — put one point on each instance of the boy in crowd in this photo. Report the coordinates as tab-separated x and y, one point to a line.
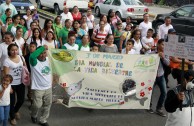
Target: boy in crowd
95	48
148	41
129	47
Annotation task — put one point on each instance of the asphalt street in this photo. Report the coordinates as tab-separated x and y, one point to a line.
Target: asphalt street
62	116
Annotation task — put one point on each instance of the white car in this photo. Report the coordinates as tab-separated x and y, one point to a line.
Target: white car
58	5
123	8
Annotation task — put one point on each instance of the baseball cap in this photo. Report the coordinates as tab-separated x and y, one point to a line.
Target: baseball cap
172	30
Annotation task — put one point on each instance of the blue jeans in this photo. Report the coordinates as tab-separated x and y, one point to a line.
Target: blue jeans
160	81
4	115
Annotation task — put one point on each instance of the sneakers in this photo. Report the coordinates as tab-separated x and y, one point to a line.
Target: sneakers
34	120
17	116
160	112
44	124
13	122
150	111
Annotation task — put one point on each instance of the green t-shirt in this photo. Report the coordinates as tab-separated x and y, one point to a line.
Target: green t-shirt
117	33
57	29
14	32
63	34
3	18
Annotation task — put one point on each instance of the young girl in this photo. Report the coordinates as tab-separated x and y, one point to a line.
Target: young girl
7	14
5	90
117	34
50	40
109	47
79	32
136	35
12	27
36	37
18	38
13	66
84	46
70	45
28	17
37	21
48	26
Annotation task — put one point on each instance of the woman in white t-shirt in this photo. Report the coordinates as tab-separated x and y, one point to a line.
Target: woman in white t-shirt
28	17
90	22
136	35
5	90
13	66
18	38
50	40
36	37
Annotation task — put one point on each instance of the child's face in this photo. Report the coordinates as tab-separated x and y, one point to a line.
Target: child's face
83	26
8	39
50	36
110	39
32	48
128	28
95	49
9	21
119	27
6	82
71	40
85	40
19	32
129	45
161	46
22	22
9	13
149	34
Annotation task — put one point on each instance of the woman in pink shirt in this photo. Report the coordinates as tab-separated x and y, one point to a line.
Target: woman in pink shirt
76	14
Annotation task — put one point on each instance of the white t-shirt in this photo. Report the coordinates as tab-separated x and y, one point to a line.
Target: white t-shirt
90	22
5	100
144	28
13	30
52	44
137	46
15	70
66	16
39	43
163	31
132	51
41	75
83	48
107	28
19	42
71	47
28	22
146	42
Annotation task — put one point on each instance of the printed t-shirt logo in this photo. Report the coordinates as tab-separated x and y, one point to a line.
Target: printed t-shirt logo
46	70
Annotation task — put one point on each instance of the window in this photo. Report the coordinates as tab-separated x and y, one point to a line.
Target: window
116	2
183	12
108	2
132	2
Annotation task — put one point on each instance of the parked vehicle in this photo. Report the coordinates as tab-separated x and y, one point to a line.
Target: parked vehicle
58	5
123	8
182	20
21	5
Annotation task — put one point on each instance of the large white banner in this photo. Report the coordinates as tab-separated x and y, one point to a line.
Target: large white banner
103	80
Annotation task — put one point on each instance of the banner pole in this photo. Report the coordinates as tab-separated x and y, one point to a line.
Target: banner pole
182	80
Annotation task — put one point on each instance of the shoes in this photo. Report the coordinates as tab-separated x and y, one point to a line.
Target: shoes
34	120
150	111
44	124
160	112
13	122
17	116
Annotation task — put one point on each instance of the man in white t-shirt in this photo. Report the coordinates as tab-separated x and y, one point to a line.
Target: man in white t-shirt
41	85
66	15
8	4
145	25
163	29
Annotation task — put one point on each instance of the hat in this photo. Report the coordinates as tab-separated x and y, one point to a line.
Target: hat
188	74
172	30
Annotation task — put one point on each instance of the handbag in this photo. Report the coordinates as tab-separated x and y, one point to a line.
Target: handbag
25	74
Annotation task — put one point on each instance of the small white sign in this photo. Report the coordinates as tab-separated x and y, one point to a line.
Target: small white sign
179	46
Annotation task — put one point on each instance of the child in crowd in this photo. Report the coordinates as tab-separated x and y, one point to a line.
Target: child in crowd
84	46
7	14
32	48
70	45
129	47
156	38
35	15
5	26
117	34
5	90
95	48
148	41
85	28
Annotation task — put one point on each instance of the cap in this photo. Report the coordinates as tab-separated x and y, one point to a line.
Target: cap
172	30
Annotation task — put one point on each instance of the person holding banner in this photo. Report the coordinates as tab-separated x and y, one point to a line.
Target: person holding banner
160	80
41	85
181	115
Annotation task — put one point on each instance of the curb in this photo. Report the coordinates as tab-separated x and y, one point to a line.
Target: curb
46	15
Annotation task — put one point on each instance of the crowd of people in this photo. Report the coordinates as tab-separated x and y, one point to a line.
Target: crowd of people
24	43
